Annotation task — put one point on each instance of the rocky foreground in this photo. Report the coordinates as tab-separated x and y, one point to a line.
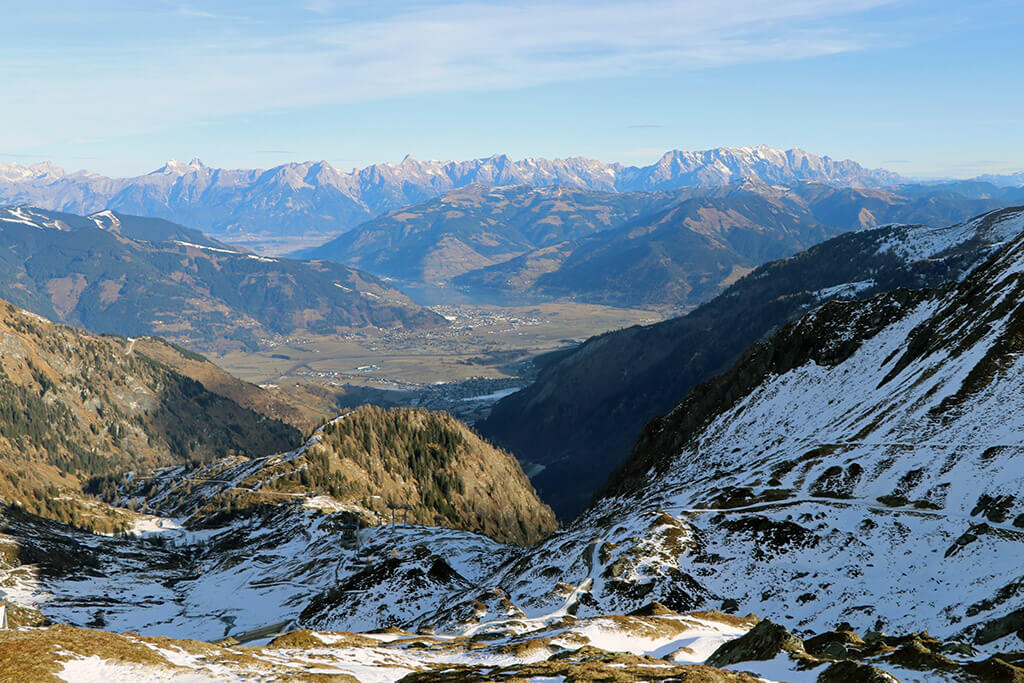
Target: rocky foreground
653	644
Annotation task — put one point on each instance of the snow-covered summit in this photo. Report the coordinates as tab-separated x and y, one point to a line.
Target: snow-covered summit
41	172
315	196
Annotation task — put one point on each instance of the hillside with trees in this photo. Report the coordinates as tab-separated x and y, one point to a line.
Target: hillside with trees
76	405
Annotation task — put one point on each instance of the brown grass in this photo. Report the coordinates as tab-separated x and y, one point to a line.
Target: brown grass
305	639
32	655
750	620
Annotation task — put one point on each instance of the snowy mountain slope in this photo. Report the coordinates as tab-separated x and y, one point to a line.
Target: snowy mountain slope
128	226
309	197
253	572
863	466
250	580
580	417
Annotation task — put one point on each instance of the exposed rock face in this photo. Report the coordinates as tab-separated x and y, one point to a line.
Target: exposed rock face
999	668
825	644
917	653
1000	627
764	641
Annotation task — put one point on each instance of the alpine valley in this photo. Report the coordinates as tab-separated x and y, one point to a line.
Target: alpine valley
805	467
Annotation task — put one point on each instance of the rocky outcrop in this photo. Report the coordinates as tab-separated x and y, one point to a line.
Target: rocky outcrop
855	672
764	641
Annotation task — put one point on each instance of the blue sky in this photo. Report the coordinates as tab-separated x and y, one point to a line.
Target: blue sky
927	89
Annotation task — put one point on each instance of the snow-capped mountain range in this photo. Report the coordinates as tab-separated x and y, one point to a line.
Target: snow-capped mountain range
315	197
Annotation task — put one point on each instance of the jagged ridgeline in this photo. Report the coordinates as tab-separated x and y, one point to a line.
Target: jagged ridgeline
419	466
75	406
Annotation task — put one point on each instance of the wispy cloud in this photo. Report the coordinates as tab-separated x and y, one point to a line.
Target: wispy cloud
319	6
228	68
195	13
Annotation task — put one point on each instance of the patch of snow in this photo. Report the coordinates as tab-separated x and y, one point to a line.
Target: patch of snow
845	290
493	396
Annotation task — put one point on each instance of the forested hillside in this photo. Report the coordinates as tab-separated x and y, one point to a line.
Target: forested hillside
414	466
76	405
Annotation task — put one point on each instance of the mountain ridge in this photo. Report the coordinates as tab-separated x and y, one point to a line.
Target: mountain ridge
75	405
309	197
112	272
667	249
425	467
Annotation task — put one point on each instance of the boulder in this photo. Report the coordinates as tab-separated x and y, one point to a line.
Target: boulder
916	654
849	671
762	642
822	643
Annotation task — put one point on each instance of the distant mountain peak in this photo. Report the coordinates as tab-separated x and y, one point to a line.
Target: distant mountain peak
43	170
178	167
304	197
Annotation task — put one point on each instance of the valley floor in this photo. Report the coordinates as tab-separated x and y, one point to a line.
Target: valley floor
481	342
486	353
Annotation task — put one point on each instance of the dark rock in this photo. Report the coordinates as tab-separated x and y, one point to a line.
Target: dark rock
835	650
993	508
916	654
958	648
996	669
819	644
995	629
849	671
875	637
762	642
968	537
